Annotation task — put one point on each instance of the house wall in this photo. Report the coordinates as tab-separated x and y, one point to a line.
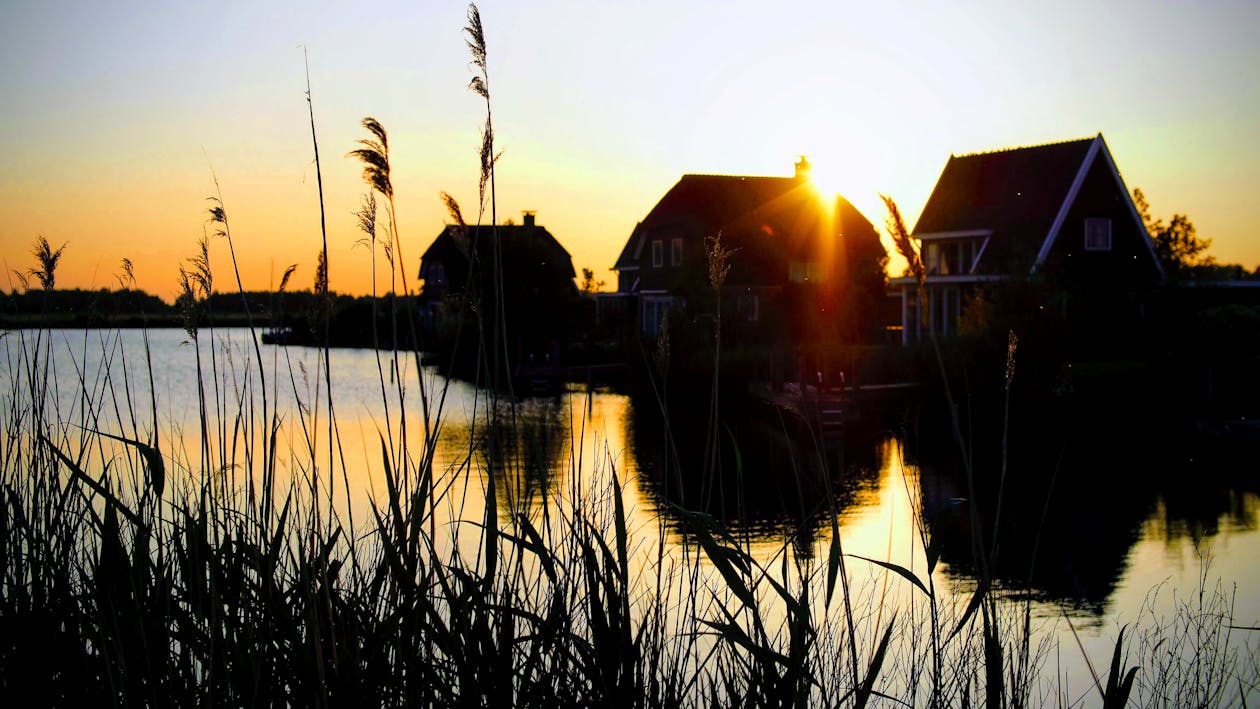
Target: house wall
1101	293
1128	264
670	273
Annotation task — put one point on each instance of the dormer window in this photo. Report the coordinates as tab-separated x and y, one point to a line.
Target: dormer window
675	252
1098	235
658	253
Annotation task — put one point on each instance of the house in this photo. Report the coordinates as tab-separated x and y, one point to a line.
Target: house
1056	217
538	290
793	257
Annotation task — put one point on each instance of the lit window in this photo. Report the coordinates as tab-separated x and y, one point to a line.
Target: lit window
805	272
675	252
1098	235
658	254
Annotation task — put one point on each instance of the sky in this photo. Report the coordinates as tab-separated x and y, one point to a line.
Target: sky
117	118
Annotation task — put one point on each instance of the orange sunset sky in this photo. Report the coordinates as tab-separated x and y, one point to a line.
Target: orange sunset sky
114	114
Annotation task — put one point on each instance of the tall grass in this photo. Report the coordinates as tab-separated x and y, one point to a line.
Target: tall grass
137	573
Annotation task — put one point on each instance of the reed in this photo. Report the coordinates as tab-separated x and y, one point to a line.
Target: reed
202	573
197	593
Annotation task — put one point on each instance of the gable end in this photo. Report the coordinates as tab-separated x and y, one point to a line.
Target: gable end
1097	150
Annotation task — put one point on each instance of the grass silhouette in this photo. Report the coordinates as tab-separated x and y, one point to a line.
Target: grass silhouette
223	582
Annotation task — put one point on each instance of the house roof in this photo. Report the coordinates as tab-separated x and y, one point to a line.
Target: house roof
1019	198
705	204
1014	194
542	245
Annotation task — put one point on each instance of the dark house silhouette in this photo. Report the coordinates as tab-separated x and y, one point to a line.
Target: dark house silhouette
797	259
538	291
1055	221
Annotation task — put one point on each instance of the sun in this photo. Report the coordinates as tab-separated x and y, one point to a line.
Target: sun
826	177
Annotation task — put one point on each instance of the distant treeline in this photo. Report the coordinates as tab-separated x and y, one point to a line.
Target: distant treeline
135	308
84	308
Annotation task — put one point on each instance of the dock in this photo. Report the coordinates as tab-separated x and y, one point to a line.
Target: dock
826	411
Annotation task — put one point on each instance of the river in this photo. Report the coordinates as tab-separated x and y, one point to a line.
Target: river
1115	544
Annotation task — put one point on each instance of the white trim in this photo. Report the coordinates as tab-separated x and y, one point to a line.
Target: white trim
654	291
976	262
953	234
940	280
905	319
639	232
625	268
1081	174
1133	212
1098	146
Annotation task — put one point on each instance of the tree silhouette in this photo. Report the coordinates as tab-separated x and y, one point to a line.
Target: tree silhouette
1177	244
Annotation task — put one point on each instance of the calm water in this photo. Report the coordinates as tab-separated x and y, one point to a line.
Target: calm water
1133	523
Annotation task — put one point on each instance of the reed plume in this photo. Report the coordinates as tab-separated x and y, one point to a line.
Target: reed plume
321	276
460	232
366	218
376	173
375	157
24	283
47	259
187	302
127	279
202	276
288	274
896	227
719	260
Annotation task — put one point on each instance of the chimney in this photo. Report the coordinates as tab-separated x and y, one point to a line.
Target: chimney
803	167
528	218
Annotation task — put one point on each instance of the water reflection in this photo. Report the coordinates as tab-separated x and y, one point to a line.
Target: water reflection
525	446
765	481
1095	508
1076	501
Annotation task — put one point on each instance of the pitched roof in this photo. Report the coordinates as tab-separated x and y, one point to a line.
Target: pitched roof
1019	188
705	204
1019	197
515	238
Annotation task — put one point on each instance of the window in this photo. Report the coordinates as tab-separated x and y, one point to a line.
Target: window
951	258
746	305
437	274
655	312
658	254
805	272
675	252
1098	235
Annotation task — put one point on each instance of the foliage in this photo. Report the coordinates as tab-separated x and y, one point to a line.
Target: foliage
589	284
1182	252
